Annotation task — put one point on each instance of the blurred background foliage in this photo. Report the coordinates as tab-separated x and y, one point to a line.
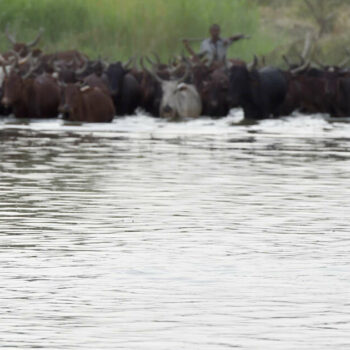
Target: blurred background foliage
118	29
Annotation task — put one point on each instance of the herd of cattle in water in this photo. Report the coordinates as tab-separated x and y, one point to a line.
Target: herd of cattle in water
39	85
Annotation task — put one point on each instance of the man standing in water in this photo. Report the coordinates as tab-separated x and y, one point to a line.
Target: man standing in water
213	48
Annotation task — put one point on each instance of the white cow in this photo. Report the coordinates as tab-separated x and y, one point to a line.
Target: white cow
179	101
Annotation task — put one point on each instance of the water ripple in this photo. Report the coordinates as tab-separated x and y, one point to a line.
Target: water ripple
144	234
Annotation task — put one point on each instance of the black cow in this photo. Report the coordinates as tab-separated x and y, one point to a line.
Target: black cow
342	98
259	92
124	88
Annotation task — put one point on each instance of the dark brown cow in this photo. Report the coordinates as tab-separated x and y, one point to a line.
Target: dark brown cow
87	104
93	80
31	97
74	58
22	49
313	91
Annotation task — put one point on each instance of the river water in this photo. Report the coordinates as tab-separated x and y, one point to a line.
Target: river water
144	234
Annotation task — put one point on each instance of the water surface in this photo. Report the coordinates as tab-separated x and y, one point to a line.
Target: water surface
144	234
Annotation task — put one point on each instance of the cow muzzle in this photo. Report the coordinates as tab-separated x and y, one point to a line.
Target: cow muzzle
168	112
64	109
5	101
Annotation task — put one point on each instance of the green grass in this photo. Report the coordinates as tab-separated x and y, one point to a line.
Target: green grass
118	29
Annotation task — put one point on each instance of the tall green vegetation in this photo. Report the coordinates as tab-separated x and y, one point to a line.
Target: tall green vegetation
117	29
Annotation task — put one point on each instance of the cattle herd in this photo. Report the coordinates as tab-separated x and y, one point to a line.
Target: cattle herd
41	85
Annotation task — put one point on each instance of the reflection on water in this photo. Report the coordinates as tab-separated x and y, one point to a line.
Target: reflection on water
149	235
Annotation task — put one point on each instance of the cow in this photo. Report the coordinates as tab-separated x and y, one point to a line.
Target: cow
179	100
151	90
37	97
22	49
259	92
342	100
93	80
312	90
86	104
214	93
124	88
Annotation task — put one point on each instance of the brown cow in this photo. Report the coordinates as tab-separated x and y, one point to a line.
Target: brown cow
93	80
31	97
22	49
87	104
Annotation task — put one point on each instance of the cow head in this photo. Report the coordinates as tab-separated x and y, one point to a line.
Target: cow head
215	93
23	49
115	74
15	76
239	84
174	92
168	106
13	83
69	100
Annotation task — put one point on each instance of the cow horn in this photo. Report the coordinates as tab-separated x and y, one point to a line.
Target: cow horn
9	36
82	69
4	69
37	39
153	73
2	59
157	57
15	58
185	76
343	63
142	64
286	60
320	63
57	67
25	59
30	71
301	68
126	65
307	46
254	64
150	61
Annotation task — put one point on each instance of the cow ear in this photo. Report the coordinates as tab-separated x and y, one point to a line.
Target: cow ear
181	87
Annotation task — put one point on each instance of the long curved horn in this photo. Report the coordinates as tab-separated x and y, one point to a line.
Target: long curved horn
2	59
57	67
15	58
157	57
320	63
9	36
128	63
150	61
153	73
254	64
4	69
344	63
301	68
307	46
286	60
185	76
82	69
25	59
31	69
37	39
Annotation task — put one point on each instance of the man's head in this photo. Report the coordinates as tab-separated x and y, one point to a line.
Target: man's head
215	31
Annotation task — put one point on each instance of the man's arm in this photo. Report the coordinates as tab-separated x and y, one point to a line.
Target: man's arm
234	38
196	57
188	47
